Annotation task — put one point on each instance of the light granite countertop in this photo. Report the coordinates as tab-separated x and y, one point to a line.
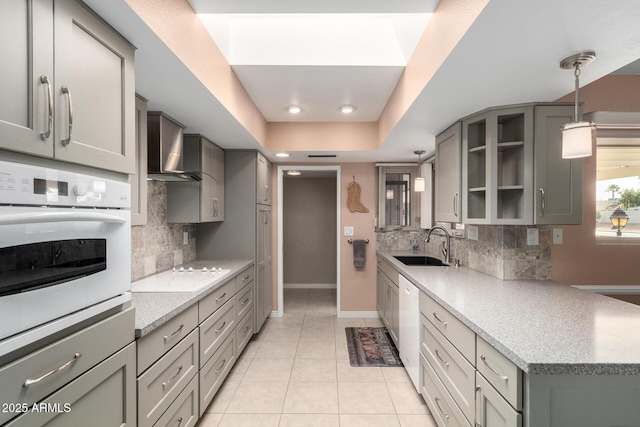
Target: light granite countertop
155	308
543	327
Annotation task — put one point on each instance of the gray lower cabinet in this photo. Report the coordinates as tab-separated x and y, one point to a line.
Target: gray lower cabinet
91	371
388	299
183	362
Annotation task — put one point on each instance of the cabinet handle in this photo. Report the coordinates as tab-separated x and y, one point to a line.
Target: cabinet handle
455	204
221	366
166	383
542	201
439	319
245	278
441	359
221	297
440	408
30	382
480	412
179	421
67	140
245	301
174	333
47	134
492	369
221	327
246	329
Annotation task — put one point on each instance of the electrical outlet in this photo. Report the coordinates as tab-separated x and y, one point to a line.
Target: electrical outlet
532	237
557	236
472	232
185	238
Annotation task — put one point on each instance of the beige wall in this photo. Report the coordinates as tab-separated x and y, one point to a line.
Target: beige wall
309	231
579	260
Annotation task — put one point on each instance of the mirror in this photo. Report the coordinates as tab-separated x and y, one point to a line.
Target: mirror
397	206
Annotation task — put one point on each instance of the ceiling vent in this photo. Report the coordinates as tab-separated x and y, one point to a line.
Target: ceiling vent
321	156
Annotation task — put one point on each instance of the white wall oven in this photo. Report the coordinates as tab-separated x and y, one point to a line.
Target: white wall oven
65	243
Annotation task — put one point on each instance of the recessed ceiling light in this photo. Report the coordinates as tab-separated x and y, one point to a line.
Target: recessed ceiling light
282	154
347	108
294	173
294	109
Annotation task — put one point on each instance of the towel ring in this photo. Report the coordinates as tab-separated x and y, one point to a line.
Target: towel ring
351	241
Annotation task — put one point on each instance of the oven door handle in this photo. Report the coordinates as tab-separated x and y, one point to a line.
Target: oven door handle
39	217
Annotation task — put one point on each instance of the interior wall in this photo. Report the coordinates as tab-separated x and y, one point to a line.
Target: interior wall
309	232
580	260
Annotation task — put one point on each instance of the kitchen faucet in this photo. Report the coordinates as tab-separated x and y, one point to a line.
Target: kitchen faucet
446	250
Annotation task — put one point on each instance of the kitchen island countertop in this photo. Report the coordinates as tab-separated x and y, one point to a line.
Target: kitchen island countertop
155	308
543	327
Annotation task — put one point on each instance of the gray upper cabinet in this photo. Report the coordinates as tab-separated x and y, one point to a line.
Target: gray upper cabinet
558	181
86	114
447	176
203	201
512	167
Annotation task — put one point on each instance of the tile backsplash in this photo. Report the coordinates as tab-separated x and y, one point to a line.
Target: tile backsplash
500	251
157	246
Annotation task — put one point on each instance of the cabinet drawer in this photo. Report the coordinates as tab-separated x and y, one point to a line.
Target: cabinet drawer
245	277
159	386
245	300
493	410
388	270
103	397
455	372
216	329
500	372
462	338
53	366
209	304
244	332
440	403
151	347
183	412
215	371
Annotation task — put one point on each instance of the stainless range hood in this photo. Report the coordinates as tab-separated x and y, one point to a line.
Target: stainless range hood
165	149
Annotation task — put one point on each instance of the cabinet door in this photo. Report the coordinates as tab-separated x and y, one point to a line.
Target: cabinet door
26	34
139	179
395	314
380	293
94	91
476	161
207	185
263	260
264	181
558	181
448	170
218	184
491	408
104	396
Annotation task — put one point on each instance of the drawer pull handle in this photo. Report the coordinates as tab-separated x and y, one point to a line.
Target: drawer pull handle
221	297
245	278
440	409
179	421
246	329
479	401
30	382
441	359
221	327
245	301
174	333
166	383
439	319
221	366
492	369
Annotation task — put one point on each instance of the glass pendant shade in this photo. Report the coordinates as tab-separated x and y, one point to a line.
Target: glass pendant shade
577	139
418	185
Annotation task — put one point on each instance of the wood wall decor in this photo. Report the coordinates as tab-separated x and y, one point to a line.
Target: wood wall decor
353	199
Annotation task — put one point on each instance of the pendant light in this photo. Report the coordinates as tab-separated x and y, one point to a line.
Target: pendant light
418	183
577	137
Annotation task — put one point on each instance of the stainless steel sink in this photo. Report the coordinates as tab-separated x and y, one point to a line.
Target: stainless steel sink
421	260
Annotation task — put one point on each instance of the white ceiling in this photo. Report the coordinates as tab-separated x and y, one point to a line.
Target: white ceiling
509	55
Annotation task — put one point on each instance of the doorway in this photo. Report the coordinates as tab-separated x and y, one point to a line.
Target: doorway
308	230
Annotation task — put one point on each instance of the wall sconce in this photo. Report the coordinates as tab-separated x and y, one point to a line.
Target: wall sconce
577	137
619	219
418	184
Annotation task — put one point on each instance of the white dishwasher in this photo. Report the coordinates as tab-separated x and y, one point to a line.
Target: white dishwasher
410	330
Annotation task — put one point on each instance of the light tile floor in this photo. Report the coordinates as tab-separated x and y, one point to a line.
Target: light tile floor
296	373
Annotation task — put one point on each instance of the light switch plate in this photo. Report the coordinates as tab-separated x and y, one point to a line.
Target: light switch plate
532	237
185	238
472	232
557	236
348	230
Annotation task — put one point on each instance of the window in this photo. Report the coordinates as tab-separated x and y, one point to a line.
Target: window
397	206
617	187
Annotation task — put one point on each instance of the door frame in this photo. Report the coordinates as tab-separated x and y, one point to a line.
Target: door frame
281	170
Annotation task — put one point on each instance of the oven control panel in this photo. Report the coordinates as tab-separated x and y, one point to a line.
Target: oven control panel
22	184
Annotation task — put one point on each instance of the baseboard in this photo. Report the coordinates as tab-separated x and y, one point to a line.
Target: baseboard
275	313
309	286
358	314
